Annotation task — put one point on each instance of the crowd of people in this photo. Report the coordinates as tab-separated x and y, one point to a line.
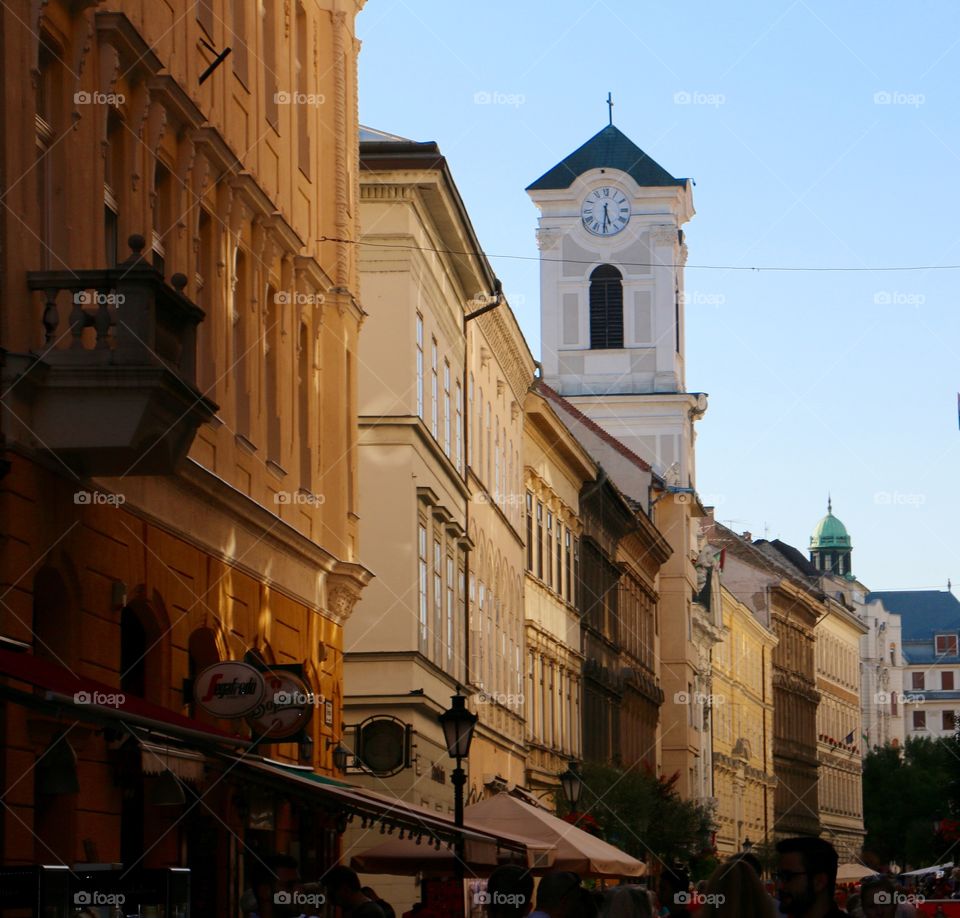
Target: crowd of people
805	886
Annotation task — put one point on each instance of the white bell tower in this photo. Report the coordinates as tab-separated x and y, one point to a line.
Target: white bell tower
611	297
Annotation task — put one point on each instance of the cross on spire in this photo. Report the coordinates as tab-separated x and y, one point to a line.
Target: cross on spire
610	105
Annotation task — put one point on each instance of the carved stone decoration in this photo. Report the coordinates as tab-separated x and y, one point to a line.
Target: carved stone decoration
341	182
664	234
548	238
139	107
340	601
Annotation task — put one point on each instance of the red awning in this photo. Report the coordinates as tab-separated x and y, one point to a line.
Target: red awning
89	699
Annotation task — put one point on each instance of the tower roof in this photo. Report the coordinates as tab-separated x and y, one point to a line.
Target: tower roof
830	532
607	149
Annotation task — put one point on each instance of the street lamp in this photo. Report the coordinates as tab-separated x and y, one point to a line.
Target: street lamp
572	784
458	723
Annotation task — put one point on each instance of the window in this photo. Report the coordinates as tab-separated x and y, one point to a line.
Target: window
540	540
469	420
569	567
301	75
270	62
530	532
241	308
893	703
273	305
205	16
459	430
917	680
549	548
946	645
239	43
496	468
437	600
949	721
489	465
435	421
559	560
606	308
919	720
446	407
946	681
422	584
450	613
419	366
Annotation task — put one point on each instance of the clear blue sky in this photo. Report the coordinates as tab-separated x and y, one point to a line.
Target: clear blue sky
818	381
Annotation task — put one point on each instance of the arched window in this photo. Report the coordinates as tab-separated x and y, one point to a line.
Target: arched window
606	307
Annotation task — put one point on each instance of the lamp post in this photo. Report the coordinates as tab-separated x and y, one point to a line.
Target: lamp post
572	783
458	723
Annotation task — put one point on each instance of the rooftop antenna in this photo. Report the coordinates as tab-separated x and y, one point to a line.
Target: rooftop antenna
610	106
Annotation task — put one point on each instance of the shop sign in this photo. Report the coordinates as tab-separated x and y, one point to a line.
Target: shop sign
230	689
286	708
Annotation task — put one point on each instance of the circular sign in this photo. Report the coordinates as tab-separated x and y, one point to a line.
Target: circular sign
286	708
382	745
230	689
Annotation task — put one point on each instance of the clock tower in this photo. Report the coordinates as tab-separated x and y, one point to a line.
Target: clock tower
611	297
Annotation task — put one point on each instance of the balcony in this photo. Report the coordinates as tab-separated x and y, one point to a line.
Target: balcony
113	390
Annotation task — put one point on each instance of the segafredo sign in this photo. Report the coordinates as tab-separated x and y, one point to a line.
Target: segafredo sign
229	689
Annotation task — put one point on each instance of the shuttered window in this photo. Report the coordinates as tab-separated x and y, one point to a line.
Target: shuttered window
606	308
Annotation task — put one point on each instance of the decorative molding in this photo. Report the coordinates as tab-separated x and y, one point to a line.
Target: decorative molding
664	234
548	238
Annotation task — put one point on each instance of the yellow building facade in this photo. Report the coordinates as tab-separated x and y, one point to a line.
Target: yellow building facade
556	467
181	432
840	788
742	708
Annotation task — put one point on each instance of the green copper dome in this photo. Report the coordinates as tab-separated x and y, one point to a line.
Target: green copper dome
830	532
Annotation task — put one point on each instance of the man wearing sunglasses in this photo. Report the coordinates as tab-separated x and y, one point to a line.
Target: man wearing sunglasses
807	877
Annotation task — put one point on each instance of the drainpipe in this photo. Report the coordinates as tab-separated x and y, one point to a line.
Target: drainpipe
497	296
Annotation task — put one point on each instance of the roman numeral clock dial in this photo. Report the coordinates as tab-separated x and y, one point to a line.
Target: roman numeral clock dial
605	211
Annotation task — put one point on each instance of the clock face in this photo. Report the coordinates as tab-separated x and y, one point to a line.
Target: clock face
605	211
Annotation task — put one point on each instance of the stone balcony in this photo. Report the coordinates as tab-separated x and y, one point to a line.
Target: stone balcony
113	390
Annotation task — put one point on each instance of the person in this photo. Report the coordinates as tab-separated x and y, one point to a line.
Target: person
509	892
559	896
673	891
273	880
807	877
385	907
881	898
626	902
343	889
735	890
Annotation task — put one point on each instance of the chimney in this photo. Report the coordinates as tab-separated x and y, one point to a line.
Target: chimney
748	536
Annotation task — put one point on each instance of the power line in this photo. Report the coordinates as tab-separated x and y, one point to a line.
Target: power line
644	264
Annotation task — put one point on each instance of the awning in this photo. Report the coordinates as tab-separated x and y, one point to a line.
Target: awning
848	872
88	699
937	868
574	849
487	845
185	764
404	857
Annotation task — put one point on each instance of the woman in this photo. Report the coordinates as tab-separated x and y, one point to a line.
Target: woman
626	902
734	891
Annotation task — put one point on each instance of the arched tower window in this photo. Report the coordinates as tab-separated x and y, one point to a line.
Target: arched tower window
606	308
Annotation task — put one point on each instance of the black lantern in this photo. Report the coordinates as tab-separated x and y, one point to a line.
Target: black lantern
458	724
341	757
572	784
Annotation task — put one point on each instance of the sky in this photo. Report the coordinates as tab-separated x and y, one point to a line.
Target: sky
819	135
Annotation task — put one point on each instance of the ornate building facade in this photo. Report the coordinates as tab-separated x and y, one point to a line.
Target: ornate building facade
742	701
179	415
556	467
